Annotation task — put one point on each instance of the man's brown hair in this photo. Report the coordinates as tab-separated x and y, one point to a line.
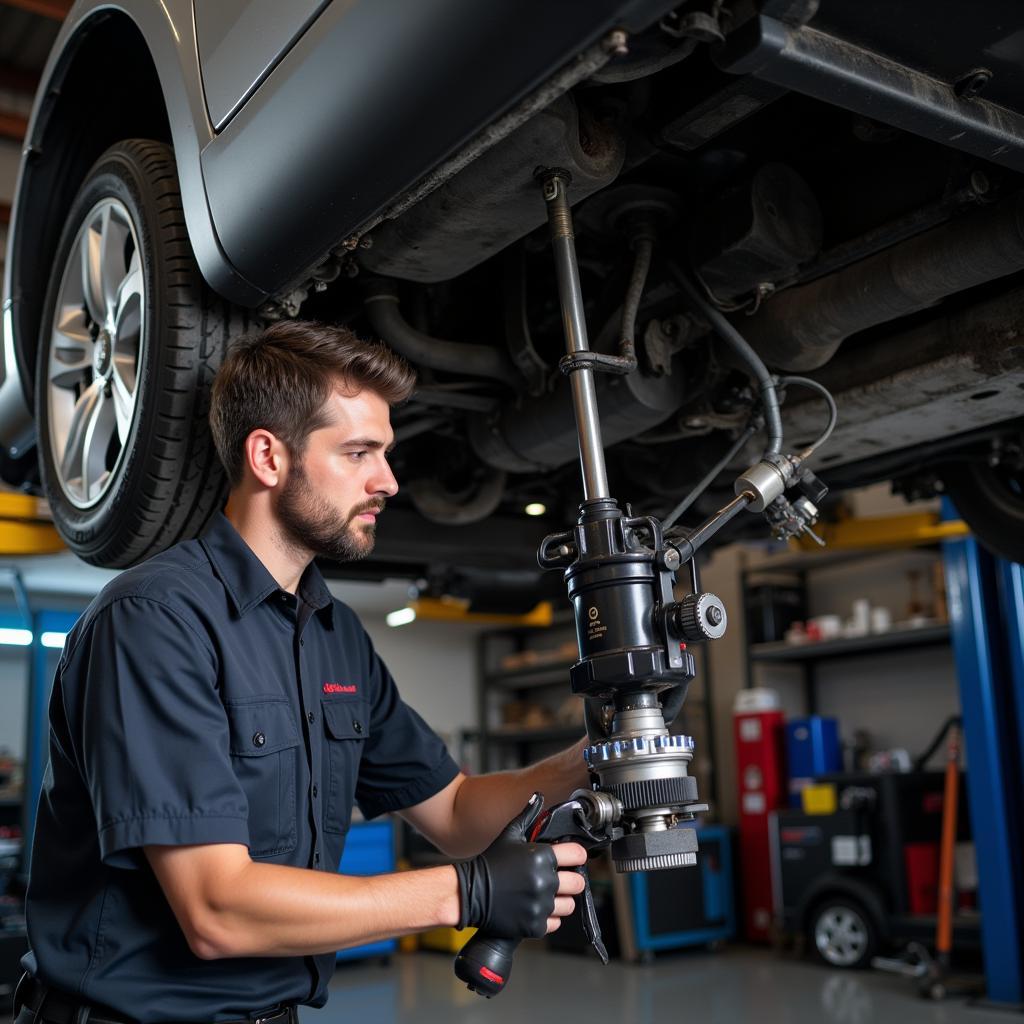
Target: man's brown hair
280	379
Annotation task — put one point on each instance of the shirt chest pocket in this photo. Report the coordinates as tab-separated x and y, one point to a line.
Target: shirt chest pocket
264	755
346	727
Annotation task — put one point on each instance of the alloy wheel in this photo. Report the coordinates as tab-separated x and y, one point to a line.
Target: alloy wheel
841	936
96	351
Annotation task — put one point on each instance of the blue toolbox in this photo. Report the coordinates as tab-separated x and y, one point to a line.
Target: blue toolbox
812	750
685	906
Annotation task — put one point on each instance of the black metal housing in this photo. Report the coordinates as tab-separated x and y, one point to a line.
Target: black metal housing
619	589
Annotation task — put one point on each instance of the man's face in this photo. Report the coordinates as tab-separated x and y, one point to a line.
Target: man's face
335	490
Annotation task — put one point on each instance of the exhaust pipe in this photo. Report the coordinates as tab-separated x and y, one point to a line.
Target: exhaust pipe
802	328
381	304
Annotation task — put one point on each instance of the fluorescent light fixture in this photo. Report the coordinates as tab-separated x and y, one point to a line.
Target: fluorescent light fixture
400	617
535	508
16	637
54	640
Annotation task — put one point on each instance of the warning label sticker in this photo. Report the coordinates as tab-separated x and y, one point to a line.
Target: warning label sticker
596	629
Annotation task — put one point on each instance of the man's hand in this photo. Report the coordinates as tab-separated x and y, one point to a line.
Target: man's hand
514	888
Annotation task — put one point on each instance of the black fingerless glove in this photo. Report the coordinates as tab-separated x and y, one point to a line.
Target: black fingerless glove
509	890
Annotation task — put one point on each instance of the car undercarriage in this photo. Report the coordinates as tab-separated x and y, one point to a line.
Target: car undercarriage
883	264
845	195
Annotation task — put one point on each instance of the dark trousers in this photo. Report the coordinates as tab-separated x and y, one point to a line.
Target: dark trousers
27	1016
37	1004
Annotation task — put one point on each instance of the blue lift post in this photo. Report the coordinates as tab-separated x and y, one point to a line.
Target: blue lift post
986	614
1011	597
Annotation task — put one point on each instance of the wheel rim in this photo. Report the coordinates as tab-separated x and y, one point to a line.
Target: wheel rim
96	350
841	936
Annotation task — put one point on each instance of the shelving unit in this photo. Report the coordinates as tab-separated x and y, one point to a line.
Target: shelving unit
526	678
797	569
846	647
500	744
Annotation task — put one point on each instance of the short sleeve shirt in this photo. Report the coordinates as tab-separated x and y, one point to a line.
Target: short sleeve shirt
197	702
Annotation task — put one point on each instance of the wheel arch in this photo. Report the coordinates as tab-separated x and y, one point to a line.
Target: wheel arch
835	886
115	72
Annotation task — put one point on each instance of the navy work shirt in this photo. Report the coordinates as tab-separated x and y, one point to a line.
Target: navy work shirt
197	702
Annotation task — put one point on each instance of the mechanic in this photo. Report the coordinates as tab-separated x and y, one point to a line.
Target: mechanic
216	714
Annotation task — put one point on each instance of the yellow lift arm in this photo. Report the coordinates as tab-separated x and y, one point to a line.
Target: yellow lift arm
885	532
448	609
26	527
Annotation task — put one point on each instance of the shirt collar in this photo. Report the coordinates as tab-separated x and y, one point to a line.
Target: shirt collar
246	579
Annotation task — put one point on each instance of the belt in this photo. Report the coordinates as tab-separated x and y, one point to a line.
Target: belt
52	1006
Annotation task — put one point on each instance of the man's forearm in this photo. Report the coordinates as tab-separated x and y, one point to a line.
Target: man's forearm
329	912
485	803
274	910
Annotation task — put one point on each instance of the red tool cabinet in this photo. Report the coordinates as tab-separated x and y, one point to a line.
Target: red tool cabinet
761	775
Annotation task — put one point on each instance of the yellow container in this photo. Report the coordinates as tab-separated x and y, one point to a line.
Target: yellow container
819	799
446	940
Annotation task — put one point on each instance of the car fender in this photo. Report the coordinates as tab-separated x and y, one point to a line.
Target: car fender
167	30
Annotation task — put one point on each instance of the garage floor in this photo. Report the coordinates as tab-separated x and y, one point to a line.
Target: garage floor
737	986
732	987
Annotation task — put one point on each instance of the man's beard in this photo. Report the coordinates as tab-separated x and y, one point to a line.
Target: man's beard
311	522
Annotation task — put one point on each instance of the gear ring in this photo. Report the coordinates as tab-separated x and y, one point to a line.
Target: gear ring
664	792
614	750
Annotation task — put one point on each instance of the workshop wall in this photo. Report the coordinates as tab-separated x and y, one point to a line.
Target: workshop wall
14	668
721	576
434	665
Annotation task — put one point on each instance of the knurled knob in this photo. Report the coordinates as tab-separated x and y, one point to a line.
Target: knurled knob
698	617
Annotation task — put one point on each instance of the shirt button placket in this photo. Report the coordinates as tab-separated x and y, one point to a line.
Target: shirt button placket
314	759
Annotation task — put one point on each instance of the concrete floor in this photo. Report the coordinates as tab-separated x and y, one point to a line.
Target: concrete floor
735	986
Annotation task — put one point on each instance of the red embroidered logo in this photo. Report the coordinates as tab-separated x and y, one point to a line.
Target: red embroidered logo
338	688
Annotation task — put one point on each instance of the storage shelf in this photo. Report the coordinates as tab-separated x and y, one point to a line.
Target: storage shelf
555	732
809	561
895	639
535	675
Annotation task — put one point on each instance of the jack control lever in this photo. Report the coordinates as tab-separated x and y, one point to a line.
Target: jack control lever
485	962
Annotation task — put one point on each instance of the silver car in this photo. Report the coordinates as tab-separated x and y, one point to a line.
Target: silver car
842	180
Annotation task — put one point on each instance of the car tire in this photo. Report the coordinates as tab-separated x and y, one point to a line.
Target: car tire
991	501
130	341
842	933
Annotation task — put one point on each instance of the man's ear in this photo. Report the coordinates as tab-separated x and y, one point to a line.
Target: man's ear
266	457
